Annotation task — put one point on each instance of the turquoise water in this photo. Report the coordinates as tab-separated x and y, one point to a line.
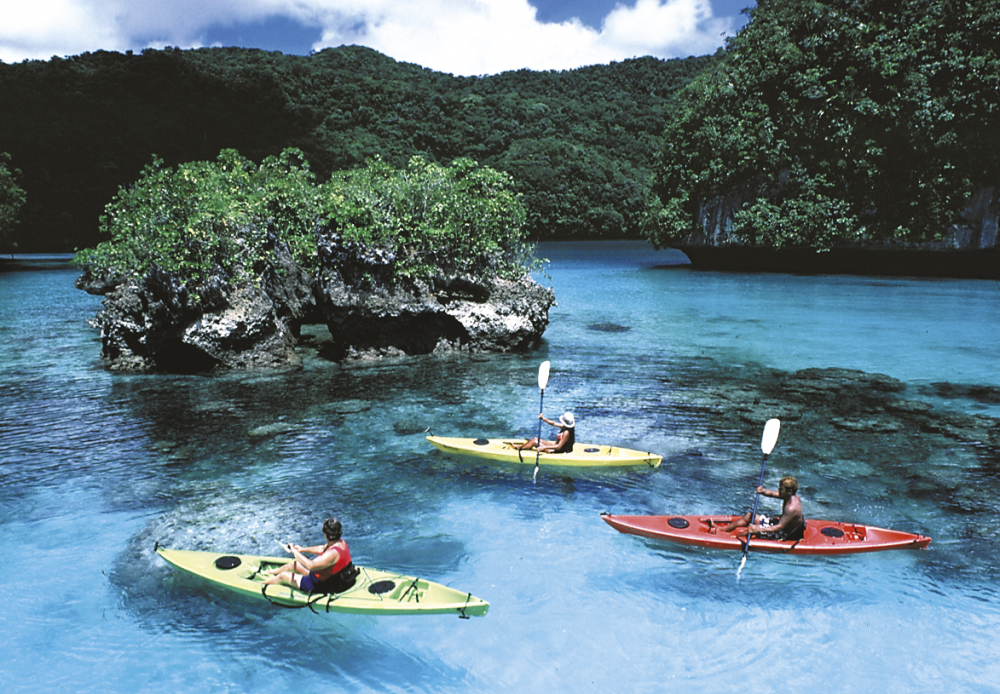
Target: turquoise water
96	467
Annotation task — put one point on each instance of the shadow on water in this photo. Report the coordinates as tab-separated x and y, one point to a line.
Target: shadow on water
164	601
689	574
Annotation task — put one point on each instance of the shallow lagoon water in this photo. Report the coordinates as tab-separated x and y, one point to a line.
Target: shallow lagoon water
97	467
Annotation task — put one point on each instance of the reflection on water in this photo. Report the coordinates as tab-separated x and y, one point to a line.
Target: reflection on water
101	466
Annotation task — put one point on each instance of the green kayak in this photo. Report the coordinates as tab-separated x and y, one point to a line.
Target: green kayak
375	592
582	455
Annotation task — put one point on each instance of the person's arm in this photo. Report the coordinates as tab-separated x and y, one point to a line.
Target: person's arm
324	560
768	492
547	420
315	549
560	444
554	446
297	551
790	519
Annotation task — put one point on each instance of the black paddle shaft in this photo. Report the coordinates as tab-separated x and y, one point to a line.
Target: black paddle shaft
756	497
538	440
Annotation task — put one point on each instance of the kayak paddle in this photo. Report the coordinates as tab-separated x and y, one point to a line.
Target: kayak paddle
543	380
766	445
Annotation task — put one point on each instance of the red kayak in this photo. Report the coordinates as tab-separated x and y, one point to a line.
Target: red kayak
820	537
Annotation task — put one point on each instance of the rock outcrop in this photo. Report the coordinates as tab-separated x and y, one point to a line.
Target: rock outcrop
157	325
456	313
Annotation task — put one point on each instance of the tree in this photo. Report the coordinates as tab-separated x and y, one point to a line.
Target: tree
12	199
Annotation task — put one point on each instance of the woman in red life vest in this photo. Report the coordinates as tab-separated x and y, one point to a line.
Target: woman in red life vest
329	571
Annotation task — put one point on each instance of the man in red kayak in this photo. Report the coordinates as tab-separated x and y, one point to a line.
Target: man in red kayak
564	440
791	525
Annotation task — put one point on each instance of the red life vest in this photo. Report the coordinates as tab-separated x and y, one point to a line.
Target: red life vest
343	560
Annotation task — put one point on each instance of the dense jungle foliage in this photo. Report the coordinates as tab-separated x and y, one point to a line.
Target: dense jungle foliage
832	122
11	200
579	144
209	221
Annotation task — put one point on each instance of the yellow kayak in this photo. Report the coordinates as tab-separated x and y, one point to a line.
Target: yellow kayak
582	455
375	592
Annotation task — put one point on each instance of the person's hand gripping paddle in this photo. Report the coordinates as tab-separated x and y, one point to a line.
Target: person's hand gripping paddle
766	446
543	380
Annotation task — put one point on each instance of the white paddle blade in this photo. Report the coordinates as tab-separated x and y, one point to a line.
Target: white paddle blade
770	436
543	375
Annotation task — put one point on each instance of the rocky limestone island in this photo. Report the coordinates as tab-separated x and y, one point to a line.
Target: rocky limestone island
155	324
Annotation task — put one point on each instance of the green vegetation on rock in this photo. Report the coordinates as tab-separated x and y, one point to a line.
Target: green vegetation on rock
461	218
225	219
208	218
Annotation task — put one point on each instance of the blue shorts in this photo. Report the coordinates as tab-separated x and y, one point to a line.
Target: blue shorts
311	583
338	583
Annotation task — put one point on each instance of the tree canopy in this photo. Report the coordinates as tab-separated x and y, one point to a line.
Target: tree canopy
835	122
223	220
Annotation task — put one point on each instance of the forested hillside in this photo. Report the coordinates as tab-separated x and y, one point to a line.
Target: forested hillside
837	123
580	144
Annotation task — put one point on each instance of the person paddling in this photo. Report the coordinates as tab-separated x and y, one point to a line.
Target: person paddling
564	441
790	526
329	571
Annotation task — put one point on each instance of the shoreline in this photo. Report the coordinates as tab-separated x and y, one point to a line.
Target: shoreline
976	264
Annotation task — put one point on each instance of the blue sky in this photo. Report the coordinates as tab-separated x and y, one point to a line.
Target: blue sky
462	37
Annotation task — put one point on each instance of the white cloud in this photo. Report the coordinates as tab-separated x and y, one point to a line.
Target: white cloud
43	28
678	27
464	37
